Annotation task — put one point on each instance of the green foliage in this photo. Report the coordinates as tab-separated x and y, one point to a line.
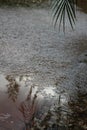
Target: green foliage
61	8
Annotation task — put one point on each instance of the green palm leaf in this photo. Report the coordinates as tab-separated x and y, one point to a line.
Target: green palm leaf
61	8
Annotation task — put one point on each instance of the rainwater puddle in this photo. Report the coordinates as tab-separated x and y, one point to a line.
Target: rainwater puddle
24	104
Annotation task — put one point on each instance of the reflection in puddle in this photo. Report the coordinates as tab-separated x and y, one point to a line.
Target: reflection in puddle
28	106
4	116
27	103
49	91
13	88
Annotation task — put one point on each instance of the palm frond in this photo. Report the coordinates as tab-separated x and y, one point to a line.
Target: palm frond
61	8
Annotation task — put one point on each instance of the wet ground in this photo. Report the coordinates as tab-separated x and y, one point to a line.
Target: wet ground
35	56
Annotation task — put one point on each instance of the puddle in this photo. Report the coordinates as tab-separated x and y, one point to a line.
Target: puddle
25	105
21	101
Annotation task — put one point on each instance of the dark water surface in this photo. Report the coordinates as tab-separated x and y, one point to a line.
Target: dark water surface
15	94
